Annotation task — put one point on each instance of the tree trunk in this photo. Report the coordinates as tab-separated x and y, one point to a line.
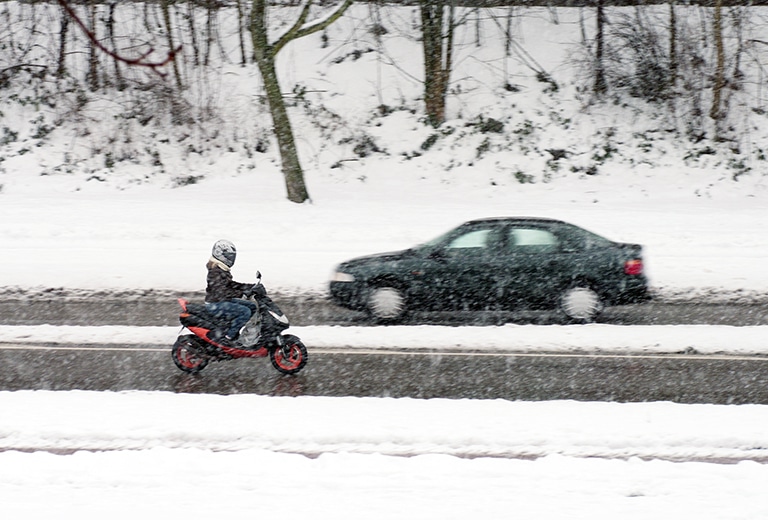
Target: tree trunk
119	83
292	171
717	90
166	8
241	31
438	51
264	53
601	85
61	69
92	76
209	28
672	46
193	33
265	59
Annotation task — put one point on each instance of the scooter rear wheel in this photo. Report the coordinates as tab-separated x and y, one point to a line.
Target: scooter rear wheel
291	358
186	354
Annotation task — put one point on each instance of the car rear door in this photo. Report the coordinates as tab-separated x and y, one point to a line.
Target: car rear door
536	267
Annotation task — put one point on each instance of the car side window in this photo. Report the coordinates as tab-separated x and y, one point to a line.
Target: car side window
476	242
532	241
477	239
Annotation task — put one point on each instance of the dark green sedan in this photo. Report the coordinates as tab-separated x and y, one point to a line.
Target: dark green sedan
497	264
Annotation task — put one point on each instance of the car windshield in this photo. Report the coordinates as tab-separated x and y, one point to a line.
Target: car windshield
438	240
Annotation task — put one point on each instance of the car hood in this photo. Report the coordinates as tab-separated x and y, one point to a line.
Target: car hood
378	258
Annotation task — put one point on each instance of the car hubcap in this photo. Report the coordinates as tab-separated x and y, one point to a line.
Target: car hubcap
387	303
581	303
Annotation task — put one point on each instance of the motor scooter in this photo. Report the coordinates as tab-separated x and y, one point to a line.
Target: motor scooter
201	337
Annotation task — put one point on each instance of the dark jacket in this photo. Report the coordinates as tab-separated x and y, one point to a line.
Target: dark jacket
221	287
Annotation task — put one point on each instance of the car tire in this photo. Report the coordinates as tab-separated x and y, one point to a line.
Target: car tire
386	303
581	304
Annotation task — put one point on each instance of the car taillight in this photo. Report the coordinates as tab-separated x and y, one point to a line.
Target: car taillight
633	267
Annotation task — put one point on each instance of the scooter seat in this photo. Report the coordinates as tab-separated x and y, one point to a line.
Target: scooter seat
197	309
197	315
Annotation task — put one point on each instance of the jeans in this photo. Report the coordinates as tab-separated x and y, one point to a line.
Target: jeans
237	312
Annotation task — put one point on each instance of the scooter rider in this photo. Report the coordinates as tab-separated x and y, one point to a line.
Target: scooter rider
223	295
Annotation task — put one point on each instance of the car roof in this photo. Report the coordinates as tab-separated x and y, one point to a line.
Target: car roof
542	220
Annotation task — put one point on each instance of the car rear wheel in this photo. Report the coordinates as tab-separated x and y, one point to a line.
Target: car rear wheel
581	304
386	303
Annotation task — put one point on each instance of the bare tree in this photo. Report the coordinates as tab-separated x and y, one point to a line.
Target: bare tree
437	28
110	22
719	81
166	9
93	60
241	31
61	68
140	61
673	65
211	9
265	54
601	85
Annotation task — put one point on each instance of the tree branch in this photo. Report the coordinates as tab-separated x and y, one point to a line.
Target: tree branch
299	30
141	61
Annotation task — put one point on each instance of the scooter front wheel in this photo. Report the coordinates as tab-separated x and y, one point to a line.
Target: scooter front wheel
186	353
290	358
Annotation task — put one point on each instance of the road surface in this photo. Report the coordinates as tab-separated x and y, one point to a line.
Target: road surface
456	375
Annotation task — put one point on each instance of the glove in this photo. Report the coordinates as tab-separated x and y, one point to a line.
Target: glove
257	290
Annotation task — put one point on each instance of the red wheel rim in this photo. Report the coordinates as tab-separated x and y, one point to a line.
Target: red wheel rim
292	360
187	358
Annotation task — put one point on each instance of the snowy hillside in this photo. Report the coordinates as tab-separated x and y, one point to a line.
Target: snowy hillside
96	187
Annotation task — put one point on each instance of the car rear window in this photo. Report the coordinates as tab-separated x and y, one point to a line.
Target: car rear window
591	241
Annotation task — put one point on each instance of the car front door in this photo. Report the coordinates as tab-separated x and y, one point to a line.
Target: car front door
464	271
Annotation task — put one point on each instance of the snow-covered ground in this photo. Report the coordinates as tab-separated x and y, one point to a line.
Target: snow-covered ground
161	455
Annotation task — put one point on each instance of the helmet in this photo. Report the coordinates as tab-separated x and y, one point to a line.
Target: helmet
224	251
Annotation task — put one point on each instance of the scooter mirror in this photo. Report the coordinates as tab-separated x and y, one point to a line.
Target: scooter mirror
258	276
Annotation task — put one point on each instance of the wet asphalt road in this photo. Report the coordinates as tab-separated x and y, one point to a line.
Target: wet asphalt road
683	378
55	309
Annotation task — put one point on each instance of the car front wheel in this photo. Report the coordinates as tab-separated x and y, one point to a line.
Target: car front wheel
386	303
581	304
